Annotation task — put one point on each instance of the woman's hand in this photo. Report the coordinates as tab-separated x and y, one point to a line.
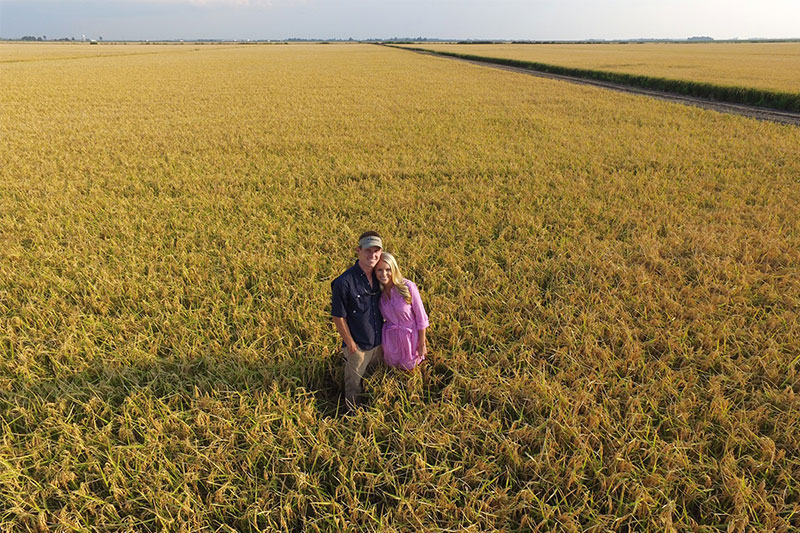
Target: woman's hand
422	348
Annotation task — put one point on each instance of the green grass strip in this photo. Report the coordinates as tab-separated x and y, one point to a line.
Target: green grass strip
777	100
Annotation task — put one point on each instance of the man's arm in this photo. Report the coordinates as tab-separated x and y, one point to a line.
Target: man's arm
344	331
339	312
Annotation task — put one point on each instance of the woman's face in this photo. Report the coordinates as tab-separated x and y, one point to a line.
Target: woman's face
383	272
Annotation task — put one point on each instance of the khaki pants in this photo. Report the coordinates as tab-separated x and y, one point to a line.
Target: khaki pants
356	366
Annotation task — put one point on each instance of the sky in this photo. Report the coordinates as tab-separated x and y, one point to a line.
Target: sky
383	19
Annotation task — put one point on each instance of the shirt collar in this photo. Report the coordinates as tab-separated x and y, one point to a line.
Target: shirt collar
357	271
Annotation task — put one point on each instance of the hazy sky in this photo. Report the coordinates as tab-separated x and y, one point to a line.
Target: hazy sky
362	19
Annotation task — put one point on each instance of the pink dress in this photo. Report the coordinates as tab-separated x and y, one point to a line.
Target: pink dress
401	329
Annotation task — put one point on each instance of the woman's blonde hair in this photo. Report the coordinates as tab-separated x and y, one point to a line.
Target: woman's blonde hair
397	278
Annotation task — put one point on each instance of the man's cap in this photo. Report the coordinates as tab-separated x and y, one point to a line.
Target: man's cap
372	240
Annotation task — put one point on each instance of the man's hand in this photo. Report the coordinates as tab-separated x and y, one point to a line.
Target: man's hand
353	348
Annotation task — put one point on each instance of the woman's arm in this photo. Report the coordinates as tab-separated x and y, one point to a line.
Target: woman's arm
422	344
420	316
420	319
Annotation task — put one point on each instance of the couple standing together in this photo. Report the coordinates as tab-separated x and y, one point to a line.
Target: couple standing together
378	313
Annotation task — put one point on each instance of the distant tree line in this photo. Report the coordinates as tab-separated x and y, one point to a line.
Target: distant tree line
44	38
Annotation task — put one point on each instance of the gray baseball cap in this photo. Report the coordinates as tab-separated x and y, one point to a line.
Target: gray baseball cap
368	242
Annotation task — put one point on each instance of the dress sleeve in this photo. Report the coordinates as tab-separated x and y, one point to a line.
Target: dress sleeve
338	299
420	316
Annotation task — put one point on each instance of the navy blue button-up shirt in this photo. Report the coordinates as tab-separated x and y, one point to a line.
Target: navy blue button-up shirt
353	299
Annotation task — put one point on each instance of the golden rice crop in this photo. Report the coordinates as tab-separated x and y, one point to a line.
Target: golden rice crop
14	52
612	282
772	66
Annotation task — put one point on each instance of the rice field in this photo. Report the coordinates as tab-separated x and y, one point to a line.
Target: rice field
14	52
770	66
612	283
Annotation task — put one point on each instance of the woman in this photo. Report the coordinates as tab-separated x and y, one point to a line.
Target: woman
404	343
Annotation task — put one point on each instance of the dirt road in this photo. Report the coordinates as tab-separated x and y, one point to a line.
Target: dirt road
760	113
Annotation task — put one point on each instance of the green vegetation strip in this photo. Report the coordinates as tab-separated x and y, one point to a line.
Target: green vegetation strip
778	100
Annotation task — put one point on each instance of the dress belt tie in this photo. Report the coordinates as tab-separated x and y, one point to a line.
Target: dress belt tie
398	326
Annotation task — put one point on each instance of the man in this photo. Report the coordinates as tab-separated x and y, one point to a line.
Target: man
357	315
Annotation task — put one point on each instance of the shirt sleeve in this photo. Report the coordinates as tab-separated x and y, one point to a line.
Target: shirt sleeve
338	298
420	316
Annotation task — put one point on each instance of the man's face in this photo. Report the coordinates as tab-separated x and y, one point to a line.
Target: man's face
369	257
